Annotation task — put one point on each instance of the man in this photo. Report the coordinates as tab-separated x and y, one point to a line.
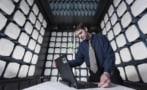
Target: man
105	70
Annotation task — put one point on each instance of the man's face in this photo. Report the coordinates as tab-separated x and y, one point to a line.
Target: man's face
82	34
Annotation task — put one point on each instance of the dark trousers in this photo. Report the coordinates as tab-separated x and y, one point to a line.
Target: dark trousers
115	77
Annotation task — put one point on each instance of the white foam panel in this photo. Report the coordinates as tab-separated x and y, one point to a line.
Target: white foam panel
12	30
117	29
113	19
37	49
50	50
108	26
76	72
105	18
64	39
52	39
110	35
53	78
132	33
32	44
57	50
122	73
38	25
64	34
7	6
138	50
83	79
129	1
126	19
34	59
44	23
102	24
83	72
70	33
3	21
28	27
83	65
11	70
49	56
58	39
120	40
121	9
48	64
138	7
52	44
53	34
35	34
104	31
142	24
142	70
40	39
131	73
6	47
31	70
116	2
18	52
35	9
23	71
27	56
113	45
42	31
23	39
69	38
40	17
16	1
56	56
110	10
32	18
125	55
63	50
70	50
30	2
24	7
19	18
64	45
54	71
69	57
47	72
117	59
77	45
2	66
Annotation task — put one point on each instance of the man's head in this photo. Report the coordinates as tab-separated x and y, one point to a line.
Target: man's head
82	31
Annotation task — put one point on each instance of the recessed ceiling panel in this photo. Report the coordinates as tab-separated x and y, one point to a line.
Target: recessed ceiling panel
73	7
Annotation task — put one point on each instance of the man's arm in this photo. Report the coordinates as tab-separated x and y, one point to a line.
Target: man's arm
79	58
109	64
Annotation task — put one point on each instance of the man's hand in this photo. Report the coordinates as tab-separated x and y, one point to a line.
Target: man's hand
104	80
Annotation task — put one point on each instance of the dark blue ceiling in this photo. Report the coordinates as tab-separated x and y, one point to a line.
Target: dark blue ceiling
71	12
73	7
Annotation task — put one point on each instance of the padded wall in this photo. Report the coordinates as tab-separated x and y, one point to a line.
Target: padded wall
22	27
125	26
63	43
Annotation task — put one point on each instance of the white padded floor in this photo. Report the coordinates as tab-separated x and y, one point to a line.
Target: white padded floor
59	86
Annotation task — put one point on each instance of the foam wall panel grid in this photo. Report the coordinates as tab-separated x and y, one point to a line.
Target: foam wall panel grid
63	43
22	27
124	26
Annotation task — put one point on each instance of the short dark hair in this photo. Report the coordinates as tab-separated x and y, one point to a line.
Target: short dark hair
79	26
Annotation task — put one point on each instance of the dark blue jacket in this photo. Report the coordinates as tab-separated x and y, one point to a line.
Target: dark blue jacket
103	50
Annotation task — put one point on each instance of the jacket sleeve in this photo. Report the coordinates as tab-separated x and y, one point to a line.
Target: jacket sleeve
79	58
109	60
